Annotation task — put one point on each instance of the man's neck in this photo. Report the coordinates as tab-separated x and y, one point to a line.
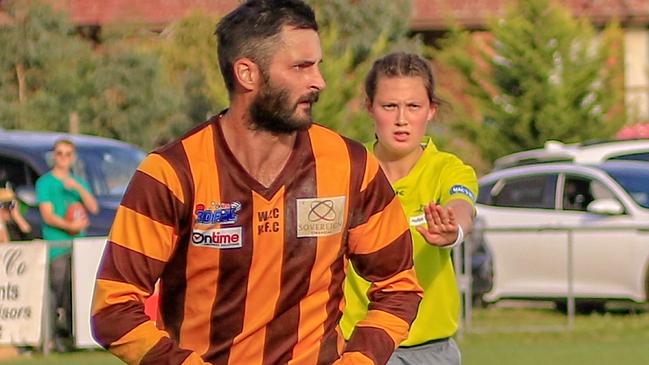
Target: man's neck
262	154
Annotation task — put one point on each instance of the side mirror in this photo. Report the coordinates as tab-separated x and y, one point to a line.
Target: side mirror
605	206
27	195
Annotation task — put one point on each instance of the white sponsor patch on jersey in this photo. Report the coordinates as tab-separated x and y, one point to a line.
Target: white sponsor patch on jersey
221	238
418	220
317	217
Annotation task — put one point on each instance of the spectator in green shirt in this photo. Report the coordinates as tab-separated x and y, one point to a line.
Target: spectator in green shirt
59	191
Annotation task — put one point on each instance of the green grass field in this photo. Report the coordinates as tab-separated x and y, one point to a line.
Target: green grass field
609	338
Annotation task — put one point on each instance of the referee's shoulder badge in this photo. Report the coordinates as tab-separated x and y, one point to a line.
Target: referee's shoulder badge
461	189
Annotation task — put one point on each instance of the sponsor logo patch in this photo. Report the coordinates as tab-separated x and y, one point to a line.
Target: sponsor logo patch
317	217
461	189
221	238
418	220
223	213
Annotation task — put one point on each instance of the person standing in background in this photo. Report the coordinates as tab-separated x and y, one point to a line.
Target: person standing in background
437	191
58	192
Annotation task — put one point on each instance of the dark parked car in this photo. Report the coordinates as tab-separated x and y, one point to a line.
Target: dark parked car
106	164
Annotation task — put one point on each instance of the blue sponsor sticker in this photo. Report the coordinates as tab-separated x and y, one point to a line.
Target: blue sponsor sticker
461	189
223	213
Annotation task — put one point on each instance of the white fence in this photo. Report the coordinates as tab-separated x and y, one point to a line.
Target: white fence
25	295
23	278
463	255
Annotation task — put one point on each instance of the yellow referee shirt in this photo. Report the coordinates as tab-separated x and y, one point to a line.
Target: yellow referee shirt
437	177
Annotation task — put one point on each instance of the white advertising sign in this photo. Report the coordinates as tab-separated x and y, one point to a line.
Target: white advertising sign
86	254
22	292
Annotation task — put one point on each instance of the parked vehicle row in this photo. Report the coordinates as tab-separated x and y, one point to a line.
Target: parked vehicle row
592	190
106	164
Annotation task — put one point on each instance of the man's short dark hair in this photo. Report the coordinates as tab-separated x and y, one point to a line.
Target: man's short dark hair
252	31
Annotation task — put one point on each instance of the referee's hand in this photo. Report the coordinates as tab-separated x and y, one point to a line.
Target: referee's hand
441	229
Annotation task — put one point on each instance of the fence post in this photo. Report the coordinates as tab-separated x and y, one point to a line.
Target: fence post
47	302
462	266
468	290
570	272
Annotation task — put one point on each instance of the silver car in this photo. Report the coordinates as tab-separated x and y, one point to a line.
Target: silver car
529	211
582	153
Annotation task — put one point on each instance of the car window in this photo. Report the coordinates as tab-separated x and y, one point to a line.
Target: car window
526	192
634	181
16	172
579	191
640	156
484	194
109	170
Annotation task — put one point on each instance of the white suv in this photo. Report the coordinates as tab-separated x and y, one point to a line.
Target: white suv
581	153
527	210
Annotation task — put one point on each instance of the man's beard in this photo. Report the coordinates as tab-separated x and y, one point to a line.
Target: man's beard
273	112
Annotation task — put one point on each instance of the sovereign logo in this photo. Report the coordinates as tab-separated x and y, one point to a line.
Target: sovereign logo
224	213
221	238
318	217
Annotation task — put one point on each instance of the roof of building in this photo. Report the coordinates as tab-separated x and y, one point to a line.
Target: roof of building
426	14
435	14
92	12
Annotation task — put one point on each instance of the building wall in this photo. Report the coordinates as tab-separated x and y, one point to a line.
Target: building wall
636	75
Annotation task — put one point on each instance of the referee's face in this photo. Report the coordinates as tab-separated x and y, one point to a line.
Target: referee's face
401	111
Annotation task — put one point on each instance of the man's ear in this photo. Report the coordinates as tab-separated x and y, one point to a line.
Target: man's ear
247	73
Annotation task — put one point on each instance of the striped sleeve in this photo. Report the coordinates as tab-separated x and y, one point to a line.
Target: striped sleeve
380	247
140	243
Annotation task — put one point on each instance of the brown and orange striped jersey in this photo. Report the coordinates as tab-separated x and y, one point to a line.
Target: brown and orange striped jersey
252	274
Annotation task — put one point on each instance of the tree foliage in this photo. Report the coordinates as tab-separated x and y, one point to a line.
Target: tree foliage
143	87
42	68
130	98
187	49
353	35
48	74
540	75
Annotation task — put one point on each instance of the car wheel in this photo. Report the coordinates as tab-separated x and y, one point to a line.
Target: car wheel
479	302
582	306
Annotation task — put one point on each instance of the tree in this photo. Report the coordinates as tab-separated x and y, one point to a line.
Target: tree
129	98
353	35
359	24
187	50
50	76
541	75
41	68
143	87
